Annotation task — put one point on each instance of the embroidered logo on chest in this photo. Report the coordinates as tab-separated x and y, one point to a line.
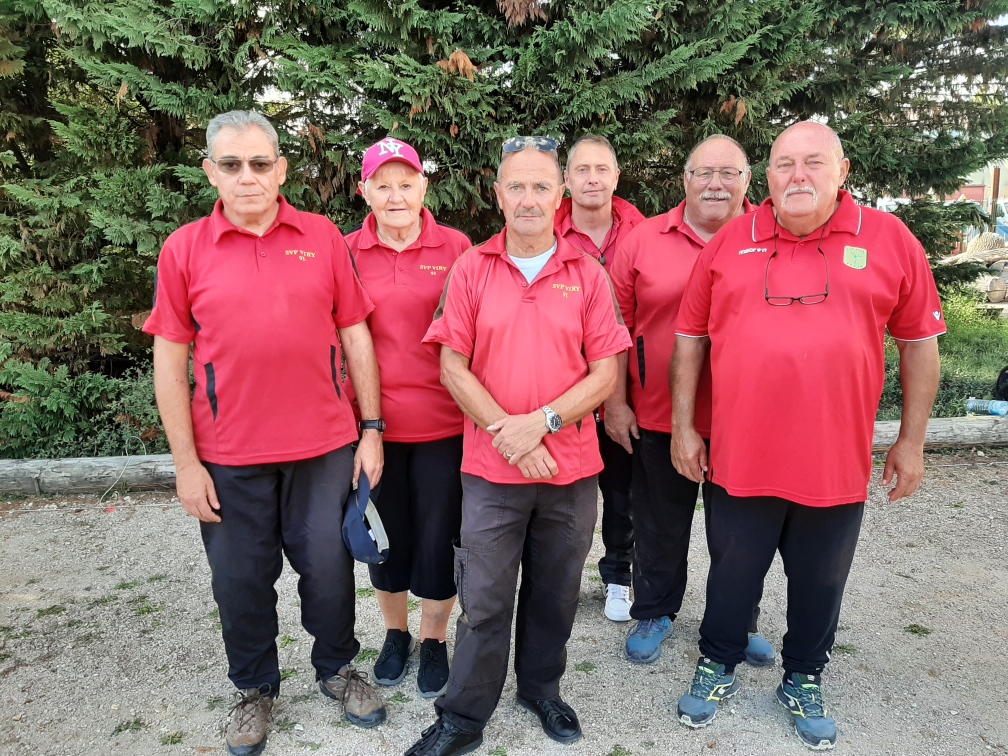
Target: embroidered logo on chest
300	254
753	250
434	269
855	257
565	290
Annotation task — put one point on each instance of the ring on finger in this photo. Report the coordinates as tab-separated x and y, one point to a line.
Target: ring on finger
508	455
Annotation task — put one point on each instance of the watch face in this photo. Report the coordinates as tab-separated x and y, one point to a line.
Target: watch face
554	422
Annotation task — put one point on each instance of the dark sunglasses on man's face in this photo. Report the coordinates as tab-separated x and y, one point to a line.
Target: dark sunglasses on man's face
233	166
519	143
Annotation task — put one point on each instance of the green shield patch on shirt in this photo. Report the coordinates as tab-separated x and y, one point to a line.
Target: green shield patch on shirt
855	257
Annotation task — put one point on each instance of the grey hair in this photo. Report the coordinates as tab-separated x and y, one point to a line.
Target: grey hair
745	158
240	120
556	161
601	141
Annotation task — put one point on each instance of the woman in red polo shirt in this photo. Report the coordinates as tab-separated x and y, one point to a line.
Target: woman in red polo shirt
403	257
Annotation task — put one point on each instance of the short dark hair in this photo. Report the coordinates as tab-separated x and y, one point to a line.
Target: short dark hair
601	141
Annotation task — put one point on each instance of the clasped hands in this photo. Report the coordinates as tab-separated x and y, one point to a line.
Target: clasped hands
519	440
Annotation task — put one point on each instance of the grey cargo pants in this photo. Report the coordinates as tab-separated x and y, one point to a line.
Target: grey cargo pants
547	530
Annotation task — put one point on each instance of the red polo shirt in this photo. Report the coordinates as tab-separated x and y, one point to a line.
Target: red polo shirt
262	312
625	217
649	273
406	288
796	388
528	344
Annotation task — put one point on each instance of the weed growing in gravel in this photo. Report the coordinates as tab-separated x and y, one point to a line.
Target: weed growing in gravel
958	505
286	674
341	724
142	606
848	650
586	666
365	592
4	657
367	654
215	702
649	744
399	697
124	586
157	578
174	738
104	600
916	629
286	641
300	698
83	640
51	611
498	752
595	579
134	725
285	725
215	614
412	605
619	750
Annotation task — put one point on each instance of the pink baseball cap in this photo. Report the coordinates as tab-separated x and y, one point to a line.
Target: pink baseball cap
386	151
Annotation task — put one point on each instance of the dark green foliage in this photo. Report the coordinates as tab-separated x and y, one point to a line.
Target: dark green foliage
102	109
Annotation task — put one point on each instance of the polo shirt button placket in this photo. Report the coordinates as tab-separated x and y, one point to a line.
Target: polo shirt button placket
262	252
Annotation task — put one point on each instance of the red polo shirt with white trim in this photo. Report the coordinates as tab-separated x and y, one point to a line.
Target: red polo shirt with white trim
649	273
529	343
796	388
262	313
625	218
406	288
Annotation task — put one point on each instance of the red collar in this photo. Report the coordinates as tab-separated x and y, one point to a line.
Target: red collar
677	220
286	215
846	219
497	245
430	235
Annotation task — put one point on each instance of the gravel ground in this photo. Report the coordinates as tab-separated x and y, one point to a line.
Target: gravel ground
110	642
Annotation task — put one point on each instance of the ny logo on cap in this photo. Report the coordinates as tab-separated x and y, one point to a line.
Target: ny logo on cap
390	146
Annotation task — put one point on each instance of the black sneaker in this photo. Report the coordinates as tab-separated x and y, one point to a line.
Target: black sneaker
432	676
559	721
445	739
390	669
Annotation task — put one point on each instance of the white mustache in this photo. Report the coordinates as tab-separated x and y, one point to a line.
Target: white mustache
801	190
715	196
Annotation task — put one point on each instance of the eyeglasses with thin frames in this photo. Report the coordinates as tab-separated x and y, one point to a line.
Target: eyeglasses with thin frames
805	299
233	166
705	175
519	143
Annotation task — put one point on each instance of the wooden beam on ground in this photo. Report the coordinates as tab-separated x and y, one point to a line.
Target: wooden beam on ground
85	474
96	474
949	432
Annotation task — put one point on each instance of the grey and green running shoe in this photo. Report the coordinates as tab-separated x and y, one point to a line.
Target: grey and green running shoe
710	686
802	696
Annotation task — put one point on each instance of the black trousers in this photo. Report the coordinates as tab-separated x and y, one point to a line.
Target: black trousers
617	521
547	531
292	508
817	547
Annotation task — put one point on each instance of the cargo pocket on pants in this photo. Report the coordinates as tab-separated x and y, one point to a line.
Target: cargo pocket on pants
461	562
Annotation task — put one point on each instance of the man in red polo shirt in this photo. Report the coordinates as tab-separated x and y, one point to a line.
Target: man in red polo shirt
596	222
649	274
528	332
794	301
268	298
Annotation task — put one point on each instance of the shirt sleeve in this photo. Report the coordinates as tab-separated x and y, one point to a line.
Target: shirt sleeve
694	310
454	323
918	314
351	303
623	272
604	332
171	317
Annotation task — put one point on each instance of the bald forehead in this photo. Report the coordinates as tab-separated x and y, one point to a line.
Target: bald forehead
717	152
808	134
527	161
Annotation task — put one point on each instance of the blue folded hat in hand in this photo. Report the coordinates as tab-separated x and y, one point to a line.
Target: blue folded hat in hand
363	532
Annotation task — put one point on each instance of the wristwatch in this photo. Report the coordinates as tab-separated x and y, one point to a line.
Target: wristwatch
553	421
378	425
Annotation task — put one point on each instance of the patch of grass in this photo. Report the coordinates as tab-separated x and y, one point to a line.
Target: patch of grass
216	702
286	674
916	629
215	614
412	605
51	611
83	640
341	724
586	666
365	592
4	657
174	738
157	578
619	750
301	698
284	725
134	725
846	650
142	605
399	697
498	752
649	744
127	586
595	579
105	567
367	655
104	600
286	641
972	354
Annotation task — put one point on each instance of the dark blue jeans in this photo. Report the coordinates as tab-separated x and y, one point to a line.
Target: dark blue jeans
292	508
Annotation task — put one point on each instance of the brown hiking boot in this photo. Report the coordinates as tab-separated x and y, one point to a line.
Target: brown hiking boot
251	716
362	704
